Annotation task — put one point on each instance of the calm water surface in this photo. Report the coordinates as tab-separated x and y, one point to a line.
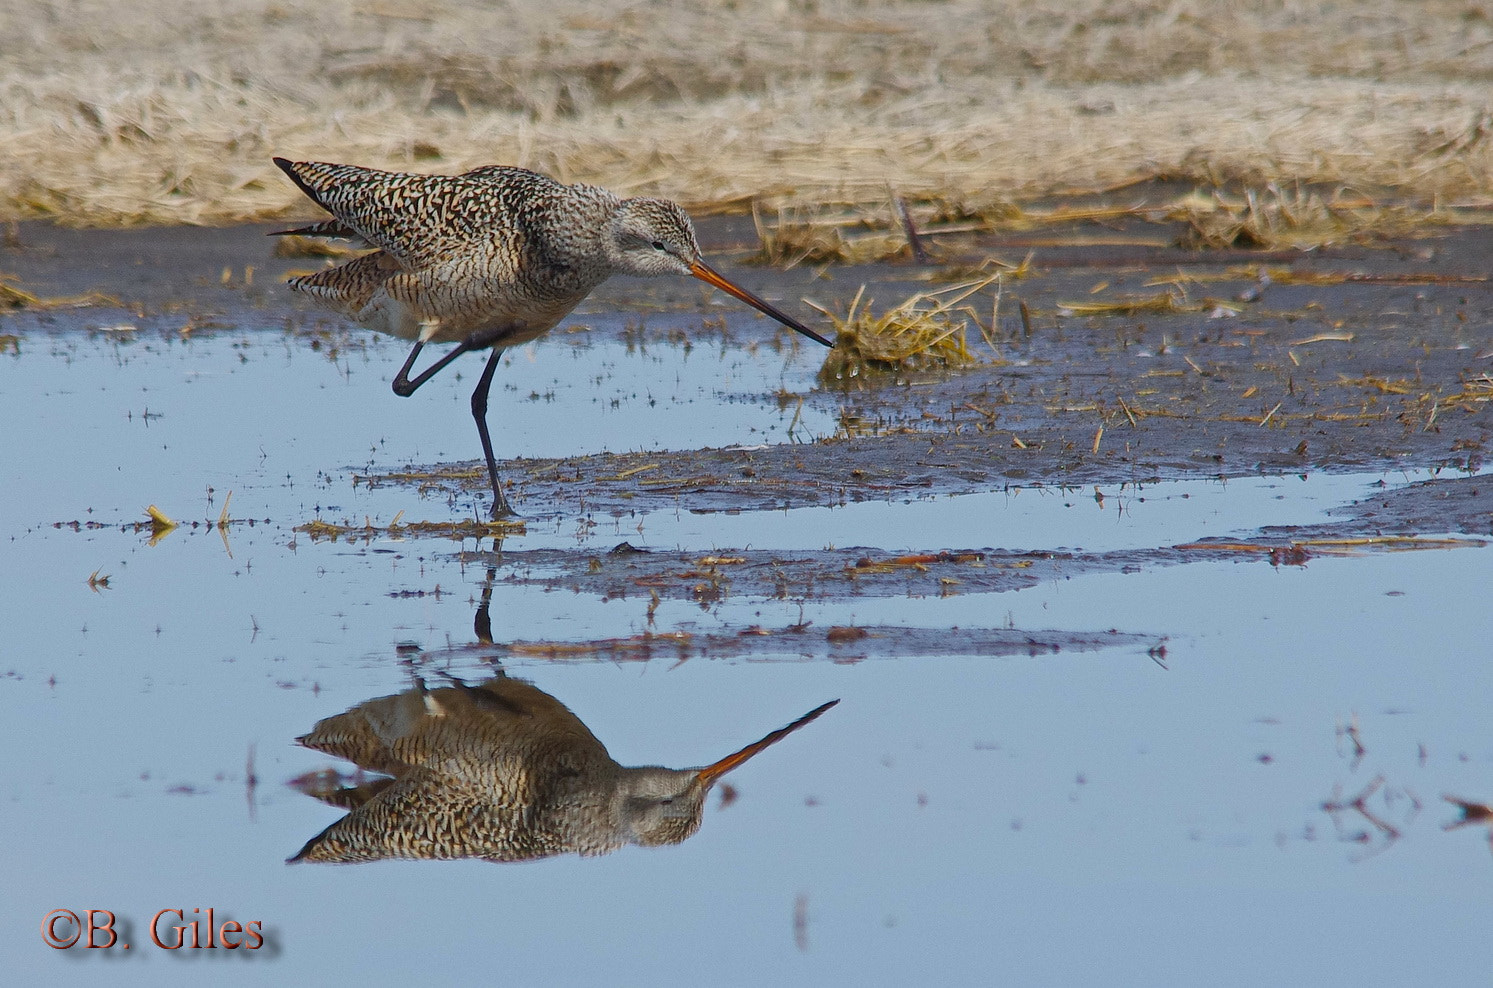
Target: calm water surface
1054	819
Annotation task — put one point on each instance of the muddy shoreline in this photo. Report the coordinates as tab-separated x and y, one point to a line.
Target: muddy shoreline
1354	358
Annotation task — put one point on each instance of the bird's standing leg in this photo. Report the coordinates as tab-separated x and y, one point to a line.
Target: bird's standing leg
404	387
482	623
500	508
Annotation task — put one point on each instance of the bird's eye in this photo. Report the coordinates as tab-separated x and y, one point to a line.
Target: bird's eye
666	802
659	245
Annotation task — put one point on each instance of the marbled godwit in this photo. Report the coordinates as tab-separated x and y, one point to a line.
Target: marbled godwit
491	258
501	771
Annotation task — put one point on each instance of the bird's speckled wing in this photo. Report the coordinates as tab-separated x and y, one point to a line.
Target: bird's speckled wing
459	731
350	286
424	220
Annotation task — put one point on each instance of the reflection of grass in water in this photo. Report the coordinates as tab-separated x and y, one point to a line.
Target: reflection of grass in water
811	103
458	529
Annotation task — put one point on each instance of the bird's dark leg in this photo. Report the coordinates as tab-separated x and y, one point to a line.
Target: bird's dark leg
404	387
482	623
500	508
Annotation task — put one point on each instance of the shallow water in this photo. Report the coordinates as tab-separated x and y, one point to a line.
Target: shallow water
1054	818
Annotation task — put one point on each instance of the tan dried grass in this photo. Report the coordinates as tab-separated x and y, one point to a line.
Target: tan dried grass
1161	303
13	296
126	112
926	331
294	245
1274	218
805	238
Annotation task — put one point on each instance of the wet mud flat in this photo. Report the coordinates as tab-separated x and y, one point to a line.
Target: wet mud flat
1203	364
1115	360
1114	357
839	644
1398	520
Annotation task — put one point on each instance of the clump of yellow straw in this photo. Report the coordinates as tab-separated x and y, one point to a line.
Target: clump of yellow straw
924	332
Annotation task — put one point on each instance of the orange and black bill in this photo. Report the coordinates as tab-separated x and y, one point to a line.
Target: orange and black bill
707	775
711	276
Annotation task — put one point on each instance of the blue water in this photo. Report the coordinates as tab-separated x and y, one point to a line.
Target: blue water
1055	819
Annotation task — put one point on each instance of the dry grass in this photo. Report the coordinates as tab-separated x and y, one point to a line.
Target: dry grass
1270	218
13	296
299	246
127	112
807	238
1293	276
1275	218
924	332
1474	395
1161	303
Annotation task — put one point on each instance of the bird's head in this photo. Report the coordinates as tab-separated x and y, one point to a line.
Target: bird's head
652	237
664	806
655	237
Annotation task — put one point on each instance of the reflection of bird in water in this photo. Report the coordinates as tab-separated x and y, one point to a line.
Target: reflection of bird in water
491	258
500	771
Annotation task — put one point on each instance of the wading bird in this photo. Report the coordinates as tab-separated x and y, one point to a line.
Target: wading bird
500	771
488	259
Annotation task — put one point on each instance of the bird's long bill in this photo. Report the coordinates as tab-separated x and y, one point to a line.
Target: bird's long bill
711	276
707	775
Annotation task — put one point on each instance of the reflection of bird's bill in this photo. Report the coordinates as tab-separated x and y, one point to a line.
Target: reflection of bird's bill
707	775
711	276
